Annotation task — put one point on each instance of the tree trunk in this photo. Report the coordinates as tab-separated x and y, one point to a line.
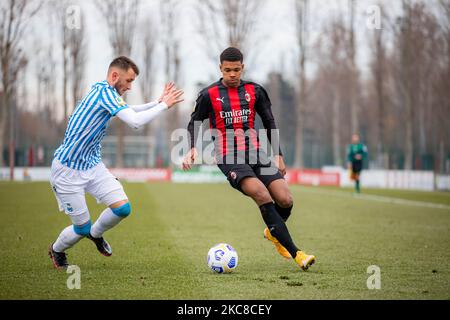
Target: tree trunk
409	139
301	7
174	116
353	75
335	129
298	162
2	137
379	87
12	143
65	104
406	86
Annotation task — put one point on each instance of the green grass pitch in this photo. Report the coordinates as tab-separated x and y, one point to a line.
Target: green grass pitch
160	250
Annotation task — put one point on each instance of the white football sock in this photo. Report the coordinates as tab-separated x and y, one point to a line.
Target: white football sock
67	239
106	221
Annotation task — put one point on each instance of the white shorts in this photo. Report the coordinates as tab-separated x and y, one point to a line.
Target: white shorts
70	185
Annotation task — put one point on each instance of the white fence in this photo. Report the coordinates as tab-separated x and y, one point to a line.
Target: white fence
442	182
26	174
387	179
395	179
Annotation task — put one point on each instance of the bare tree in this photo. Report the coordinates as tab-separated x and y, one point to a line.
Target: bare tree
404	105
404	81
301	13
354	122
332	78
121	17
121	20
14	18
169	12
427	38
335	125
148	66
228	23
443	103
77	48
380	73
61	21
416	70
71	25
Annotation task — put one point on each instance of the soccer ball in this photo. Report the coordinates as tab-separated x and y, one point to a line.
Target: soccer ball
222	258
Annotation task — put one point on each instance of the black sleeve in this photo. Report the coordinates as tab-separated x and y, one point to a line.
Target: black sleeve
263	108
200	113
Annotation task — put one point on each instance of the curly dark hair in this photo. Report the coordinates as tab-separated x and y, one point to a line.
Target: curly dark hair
231	54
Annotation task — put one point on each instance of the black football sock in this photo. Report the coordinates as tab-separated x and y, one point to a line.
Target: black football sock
283	212
277	227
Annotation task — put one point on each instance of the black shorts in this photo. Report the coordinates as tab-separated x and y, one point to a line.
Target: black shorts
235	173
356	166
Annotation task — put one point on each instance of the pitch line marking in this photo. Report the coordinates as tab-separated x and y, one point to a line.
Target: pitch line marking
382	199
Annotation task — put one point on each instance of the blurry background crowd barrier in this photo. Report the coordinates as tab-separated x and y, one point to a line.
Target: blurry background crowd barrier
332	68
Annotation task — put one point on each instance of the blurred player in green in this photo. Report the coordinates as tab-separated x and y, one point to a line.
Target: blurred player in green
356	154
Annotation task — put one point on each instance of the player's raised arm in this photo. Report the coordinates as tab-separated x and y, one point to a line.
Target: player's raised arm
138	119
142	107
200	113
264	109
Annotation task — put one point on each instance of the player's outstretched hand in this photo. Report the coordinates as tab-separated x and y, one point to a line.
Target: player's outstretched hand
173	97
167	88
189	159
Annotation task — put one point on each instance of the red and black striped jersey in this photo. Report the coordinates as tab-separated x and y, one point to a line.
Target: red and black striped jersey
233	110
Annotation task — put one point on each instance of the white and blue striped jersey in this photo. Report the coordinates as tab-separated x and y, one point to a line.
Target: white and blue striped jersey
81	148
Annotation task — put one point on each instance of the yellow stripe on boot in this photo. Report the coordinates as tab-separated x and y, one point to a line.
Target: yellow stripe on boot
281	250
